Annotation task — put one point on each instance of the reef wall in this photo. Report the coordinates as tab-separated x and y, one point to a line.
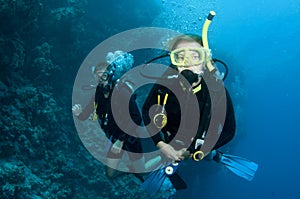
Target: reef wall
43	43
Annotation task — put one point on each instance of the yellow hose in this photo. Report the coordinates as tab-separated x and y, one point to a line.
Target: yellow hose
165	99
204	38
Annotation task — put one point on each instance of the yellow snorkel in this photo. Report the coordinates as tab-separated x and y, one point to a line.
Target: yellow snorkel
199	155
205	41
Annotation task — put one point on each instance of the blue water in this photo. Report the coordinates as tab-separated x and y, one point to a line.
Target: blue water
260	43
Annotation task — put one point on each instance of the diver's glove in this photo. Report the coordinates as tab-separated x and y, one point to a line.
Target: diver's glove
117	146
76	109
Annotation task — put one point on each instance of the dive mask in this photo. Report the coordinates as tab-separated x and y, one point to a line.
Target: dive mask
188	56
103	76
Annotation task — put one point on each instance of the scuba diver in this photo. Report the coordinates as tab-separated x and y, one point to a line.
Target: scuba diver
188	59
108	82
194	114
109	79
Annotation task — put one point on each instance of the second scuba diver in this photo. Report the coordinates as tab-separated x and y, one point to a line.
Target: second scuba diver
109	81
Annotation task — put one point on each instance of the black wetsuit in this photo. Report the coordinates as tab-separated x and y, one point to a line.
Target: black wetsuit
181	114
108	124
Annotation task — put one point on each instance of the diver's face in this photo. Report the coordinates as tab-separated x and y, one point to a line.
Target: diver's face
102	77
198	69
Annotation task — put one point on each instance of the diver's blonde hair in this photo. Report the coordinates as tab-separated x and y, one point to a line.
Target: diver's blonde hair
173	43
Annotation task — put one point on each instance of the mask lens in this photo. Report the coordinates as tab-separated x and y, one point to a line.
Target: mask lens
187	56
195	56
105	76
102	76
179	57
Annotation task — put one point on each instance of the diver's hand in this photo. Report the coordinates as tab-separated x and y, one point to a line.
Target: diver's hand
185	154
117	146
76	109
169	151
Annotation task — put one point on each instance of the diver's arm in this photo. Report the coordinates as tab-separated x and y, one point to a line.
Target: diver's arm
169	151
88	110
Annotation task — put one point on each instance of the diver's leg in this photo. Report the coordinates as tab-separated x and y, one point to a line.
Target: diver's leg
153	163
143	166
113	162
136	157
138	166
111	171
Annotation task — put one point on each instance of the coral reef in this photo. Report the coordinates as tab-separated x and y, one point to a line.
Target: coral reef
41	156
